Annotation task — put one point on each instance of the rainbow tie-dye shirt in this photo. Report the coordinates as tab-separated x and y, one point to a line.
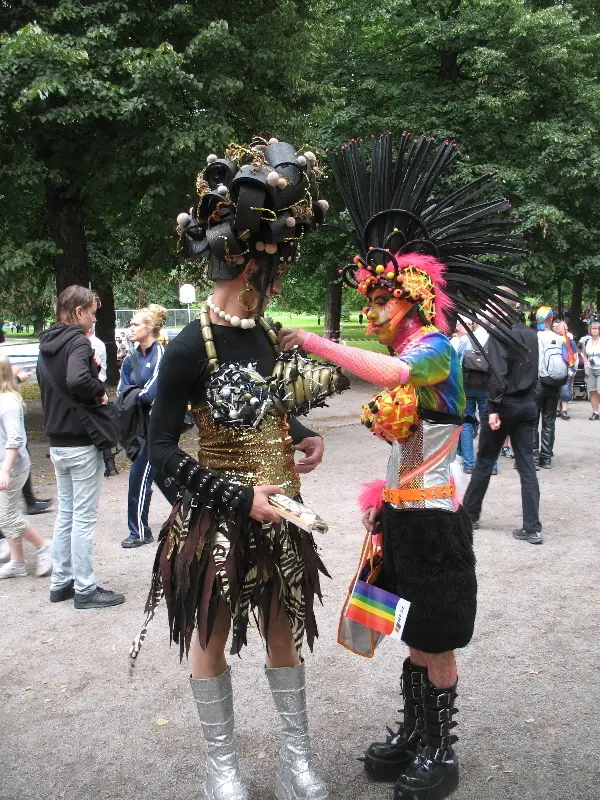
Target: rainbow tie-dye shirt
435	371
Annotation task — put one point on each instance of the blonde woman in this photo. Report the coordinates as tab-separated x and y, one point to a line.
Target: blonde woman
590	350
14	471
137	386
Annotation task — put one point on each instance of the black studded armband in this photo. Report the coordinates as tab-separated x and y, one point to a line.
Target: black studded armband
212	489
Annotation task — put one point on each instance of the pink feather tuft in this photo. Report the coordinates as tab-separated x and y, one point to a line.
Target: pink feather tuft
435	269
370	495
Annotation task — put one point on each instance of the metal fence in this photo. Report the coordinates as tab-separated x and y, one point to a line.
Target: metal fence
176	317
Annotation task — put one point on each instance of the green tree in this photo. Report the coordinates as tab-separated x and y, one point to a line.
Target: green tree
106	110
514	82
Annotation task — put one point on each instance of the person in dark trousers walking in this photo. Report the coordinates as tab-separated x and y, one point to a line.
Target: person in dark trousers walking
511	412
140	371
66	366
553	373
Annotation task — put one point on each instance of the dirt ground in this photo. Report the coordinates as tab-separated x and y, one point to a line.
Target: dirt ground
78	726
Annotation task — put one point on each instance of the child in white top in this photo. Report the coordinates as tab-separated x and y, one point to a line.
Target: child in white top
14	470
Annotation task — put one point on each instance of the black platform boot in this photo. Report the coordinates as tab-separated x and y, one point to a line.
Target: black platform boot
384	761
433	773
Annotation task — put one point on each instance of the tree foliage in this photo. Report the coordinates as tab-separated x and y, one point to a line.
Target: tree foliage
107	110
514	82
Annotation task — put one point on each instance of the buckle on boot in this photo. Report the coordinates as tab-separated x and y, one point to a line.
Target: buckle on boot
443	700
417	692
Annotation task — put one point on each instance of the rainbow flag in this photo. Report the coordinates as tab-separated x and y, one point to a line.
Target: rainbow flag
568	351
373	607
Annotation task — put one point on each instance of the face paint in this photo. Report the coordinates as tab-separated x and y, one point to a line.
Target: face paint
385	313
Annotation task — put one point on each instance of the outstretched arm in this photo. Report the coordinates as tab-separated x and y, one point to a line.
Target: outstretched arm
376	368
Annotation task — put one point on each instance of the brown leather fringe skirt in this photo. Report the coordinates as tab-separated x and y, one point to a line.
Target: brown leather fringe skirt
204	559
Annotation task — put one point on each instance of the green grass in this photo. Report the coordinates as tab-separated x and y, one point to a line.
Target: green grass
30	391
350	328
370	344
14	335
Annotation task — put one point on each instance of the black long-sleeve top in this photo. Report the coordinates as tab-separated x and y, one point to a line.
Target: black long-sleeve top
183	378
511	375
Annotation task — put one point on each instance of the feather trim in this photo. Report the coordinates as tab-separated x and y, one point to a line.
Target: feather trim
371	495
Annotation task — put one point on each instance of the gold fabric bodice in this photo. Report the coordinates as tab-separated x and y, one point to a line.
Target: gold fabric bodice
248	456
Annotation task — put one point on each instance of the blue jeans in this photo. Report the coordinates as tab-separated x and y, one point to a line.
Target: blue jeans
79	472
141	476
476	399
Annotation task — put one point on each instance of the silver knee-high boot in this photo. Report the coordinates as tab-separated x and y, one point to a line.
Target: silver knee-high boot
214	701
296	777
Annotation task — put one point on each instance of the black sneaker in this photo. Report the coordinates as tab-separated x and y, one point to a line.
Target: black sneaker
533	537
65	592
135	541
39	506
468	470
495	471
565	415
475	524
99	598
546	464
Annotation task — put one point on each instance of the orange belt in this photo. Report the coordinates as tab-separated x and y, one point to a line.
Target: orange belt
398	496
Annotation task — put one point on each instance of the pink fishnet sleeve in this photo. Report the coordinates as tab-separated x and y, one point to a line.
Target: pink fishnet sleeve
376	368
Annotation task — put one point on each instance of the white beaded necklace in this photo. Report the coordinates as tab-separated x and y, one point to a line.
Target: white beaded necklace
237	322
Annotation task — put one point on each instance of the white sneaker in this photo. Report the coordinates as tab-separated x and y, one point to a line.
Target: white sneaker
14	569
4	551
43	562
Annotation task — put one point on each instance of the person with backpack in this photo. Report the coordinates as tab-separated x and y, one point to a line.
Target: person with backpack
135	394
475	379
511	412
553	372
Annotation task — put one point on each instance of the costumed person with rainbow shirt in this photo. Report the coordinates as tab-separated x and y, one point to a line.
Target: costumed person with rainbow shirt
417	266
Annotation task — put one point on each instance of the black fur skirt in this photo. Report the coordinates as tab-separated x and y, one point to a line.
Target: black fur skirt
428	559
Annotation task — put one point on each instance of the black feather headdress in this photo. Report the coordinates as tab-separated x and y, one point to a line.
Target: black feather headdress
395	205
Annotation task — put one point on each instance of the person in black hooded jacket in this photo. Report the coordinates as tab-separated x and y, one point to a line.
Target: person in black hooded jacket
79	466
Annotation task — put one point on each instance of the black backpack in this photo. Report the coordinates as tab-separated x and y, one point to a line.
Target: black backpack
476	369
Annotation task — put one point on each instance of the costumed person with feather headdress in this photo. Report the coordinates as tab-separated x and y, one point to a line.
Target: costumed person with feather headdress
417	264
225	552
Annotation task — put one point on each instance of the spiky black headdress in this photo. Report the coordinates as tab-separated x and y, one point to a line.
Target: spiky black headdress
396	211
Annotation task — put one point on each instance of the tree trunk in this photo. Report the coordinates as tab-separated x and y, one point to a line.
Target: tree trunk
559	293
449	66
39	321
578	326
105	330
333	307
65	214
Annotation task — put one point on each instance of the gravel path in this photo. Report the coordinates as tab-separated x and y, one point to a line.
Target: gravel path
77	726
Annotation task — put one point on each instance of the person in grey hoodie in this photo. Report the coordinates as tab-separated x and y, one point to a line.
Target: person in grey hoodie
79	466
